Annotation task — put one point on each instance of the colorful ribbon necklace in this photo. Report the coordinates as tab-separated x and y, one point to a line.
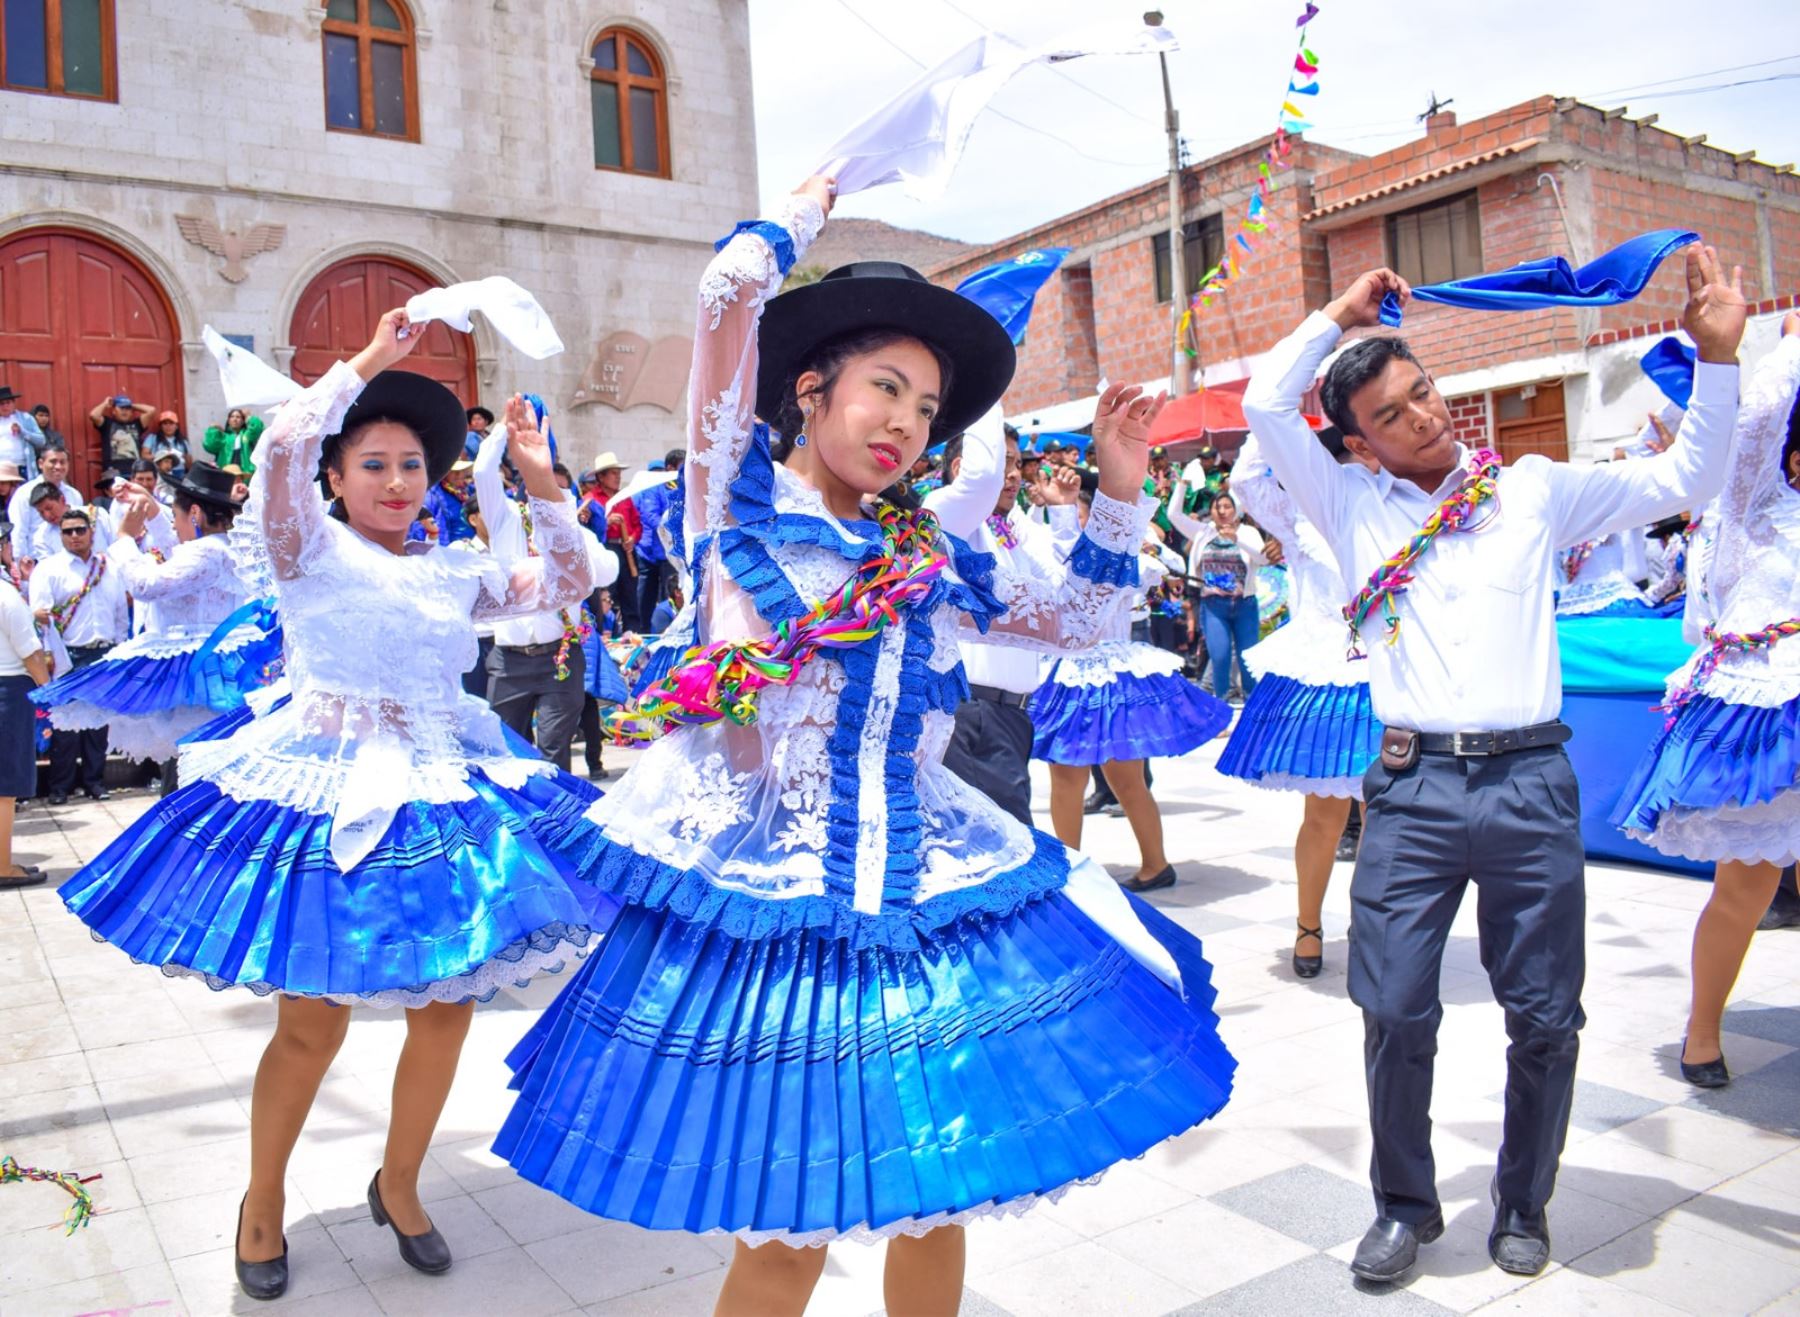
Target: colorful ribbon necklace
1001	526
1577	558
1723	643
1390	580
722	680
61	615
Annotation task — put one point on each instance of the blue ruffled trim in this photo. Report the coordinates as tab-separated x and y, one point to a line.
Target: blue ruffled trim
780	241
1292	729
640	880
973	590
1129	718
753	569
1717	754
1102	566
753	509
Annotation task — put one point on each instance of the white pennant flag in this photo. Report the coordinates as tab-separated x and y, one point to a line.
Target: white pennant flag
918	137
513	312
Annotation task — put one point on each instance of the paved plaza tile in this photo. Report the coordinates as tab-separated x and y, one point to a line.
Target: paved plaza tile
1671	1201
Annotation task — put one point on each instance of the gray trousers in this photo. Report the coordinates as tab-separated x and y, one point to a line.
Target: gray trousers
523	685
1511	825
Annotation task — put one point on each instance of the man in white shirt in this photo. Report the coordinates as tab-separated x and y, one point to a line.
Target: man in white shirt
1472	785
991	746
54	470
536	668
21	439
74	592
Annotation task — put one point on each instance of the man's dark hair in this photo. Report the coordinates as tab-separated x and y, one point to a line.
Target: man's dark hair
1356	365
42	490
43	407
673	459
953	451
1012	433
558	469
144	465
77	514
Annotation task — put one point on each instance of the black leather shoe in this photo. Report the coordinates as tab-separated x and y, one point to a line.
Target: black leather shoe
1095	802
1705	1074
1308	967
58	798
260	1280
427	1252
96	793
1155	882
1518	1243
1390	1247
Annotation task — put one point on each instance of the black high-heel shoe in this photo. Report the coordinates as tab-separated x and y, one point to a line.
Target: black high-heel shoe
1704	1074
427	1252
260	1280
1308	967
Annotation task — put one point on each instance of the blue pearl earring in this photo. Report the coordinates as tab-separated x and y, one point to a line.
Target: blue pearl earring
800	439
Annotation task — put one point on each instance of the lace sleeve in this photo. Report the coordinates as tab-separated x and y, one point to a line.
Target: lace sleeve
188	570
747	271
559	577
284	524
1753	478
1075	609
1254	485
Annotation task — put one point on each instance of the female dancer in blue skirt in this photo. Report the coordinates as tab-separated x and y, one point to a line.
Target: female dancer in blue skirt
175	674
1722	783
1308	725
1115	708
848	994
372	840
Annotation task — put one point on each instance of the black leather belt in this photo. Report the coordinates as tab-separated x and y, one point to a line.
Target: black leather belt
1483	744
994	695
533	651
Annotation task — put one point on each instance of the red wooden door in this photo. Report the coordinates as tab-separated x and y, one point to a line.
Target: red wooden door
337	314
81	320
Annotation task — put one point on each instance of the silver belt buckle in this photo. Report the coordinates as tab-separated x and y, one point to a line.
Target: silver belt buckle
1457	748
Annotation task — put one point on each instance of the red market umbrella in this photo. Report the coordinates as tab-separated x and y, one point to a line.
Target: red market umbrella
1206	415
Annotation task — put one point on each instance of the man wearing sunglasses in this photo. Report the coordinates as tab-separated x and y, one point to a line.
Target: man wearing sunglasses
74	593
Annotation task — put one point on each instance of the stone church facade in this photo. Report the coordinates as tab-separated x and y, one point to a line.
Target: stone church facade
285	171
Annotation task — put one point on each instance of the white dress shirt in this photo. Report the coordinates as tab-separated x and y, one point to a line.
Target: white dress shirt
101	617
25	520
963	508
508	543
1477	644
18	631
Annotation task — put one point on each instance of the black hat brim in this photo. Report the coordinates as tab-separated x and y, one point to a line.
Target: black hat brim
421	404
796	323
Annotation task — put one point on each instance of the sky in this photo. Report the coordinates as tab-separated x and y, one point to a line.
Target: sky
1093	127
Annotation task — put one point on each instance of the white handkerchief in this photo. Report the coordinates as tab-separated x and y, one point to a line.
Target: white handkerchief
513	312
247	379
370	799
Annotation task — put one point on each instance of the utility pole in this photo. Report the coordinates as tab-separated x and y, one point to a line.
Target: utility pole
1178	372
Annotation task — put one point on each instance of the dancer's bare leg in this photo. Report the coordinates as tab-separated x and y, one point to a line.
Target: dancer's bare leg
434	1039
1126	778
1315	851
1068	787
308	1034
1740	894
923	1276
770	1281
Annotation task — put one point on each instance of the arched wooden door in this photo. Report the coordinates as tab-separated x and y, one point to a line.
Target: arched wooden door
337	313
81	320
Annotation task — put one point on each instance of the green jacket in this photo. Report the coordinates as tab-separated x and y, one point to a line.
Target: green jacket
234	447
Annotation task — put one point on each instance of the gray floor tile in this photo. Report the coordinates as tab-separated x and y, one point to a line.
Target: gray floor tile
1778	1024
1317	1284
1304	1203
1600	1107
1768	1097
971	1305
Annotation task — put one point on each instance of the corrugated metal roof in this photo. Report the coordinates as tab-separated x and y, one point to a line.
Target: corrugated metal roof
1428	176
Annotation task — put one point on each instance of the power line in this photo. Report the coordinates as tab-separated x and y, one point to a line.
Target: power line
1098	95
1685	77
998	114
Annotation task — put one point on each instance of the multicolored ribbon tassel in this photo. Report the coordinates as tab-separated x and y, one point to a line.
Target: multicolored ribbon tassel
723	679
80	1212
1578	554
1389	581
1720	644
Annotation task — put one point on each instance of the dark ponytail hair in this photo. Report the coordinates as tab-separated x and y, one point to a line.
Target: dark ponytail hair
829	360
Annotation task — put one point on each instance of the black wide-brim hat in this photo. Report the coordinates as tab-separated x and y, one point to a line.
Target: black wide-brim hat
209	485
421	404
867	295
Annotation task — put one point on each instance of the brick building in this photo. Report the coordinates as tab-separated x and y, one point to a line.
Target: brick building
1539	178
285	171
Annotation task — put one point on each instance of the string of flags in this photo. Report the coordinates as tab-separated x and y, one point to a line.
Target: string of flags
1302	81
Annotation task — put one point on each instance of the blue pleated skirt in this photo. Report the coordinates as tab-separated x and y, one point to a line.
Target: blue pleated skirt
455	901
798	1087
1295	735
1132	717
147	685
1718	756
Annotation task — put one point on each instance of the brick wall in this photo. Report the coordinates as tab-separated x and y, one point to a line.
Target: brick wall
1470	420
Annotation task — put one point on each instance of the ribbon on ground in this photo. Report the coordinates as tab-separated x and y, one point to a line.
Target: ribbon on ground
1617	276
917	138
80	1212
1008	291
